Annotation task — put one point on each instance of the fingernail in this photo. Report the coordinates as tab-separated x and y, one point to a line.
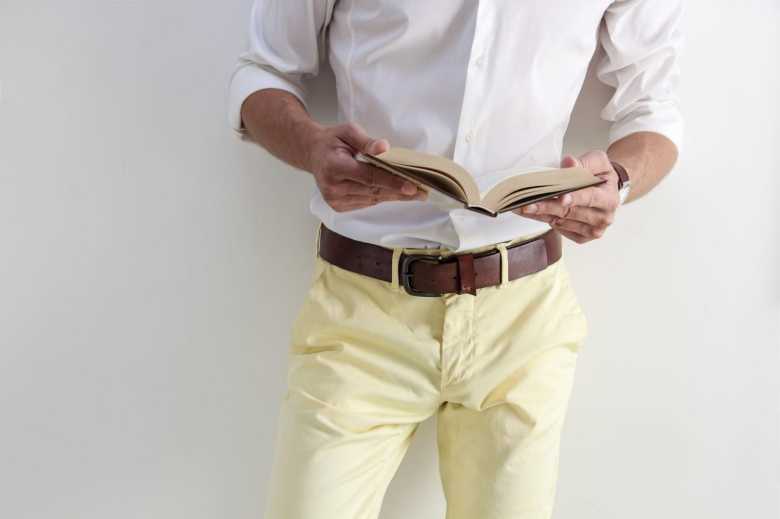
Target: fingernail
566	200
530	208
408	188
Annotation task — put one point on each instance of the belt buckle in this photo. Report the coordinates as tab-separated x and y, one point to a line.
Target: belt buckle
406	276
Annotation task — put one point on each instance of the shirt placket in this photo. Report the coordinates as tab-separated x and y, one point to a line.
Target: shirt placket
466	149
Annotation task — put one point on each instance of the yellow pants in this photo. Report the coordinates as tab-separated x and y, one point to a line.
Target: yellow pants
368	362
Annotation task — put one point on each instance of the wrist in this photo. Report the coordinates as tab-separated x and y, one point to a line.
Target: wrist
311	134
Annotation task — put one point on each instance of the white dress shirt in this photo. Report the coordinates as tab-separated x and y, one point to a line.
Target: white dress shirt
490	84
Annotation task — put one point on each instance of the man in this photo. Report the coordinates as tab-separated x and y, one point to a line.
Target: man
414	310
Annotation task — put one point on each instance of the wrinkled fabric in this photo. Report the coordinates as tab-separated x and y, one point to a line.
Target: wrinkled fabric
368	362
490	85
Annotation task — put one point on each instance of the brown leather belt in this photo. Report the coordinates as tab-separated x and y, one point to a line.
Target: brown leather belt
432	275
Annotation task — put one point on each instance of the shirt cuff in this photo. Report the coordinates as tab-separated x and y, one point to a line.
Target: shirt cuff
250	78
667	122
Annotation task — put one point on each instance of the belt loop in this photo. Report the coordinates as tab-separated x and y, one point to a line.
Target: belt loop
397	251
317	240
504	263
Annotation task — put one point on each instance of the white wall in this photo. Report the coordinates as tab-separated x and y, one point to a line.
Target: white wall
151	265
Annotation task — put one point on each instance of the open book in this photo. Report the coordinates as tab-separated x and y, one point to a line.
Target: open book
449	185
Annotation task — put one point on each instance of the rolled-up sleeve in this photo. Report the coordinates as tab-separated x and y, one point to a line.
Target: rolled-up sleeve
286	40
642	40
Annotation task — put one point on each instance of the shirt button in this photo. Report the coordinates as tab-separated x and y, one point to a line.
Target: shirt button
479	61
469	136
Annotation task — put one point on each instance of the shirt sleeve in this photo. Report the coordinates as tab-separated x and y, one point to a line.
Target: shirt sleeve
286	42
642	40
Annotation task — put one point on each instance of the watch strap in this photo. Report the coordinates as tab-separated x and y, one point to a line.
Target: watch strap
621	173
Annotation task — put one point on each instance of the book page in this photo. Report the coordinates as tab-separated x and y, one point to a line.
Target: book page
425	161
451	180
529	199
424	178
511	189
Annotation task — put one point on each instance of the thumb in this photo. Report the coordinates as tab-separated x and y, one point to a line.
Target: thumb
356	136
570	161
378	146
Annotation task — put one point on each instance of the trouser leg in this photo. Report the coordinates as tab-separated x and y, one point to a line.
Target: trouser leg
362	374
508	369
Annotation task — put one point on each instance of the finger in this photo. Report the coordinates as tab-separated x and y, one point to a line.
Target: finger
573	236
354	135
352	188
570	161
350	202
553	207
338	190
378	146
596	161
387	195
588	197
342	206
382	195
598	197
590	216
580	228
538	217
377	194
372	176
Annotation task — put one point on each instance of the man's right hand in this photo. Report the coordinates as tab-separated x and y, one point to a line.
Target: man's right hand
347	184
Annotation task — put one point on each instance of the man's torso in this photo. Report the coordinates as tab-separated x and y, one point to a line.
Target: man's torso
490	85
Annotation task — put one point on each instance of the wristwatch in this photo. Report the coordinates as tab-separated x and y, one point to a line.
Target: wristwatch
624	183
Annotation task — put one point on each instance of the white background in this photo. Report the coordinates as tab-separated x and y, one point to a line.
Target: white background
151	265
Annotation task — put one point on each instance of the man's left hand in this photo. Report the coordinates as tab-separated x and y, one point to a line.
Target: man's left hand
582	215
